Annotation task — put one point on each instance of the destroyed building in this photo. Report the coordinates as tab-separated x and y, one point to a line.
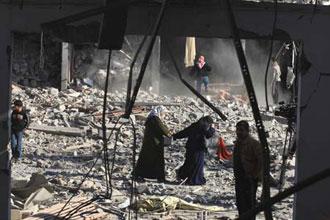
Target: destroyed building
56	57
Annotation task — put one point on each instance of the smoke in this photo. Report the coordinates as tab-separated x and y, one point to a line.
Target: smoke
257	58
221	55
91	65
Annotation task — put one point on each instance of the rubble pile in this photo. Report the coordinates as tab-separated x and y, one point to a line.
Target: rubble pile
90	63
27	64
64	140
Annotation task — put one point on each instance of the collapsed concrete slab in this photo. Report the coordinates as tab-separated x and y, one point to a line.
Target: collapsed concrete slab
80	132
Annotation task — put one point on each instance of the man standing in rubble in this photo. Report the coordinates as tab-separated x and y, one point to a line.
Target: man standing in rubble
247	168
19	121
201	71
276	82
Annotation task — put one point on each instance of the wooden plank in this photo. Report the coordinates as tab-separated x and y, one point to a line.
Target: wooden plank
78	132
76	147
50	213
147	104
56	208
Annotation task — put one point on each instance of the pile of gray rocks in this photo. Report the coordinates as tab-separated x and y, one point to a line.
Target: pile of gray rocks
64	157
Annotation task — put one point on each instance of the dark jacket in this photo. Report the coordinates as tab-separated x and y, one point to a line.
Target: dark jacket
19	120
151	159
196	134
250	155
205	71
154	132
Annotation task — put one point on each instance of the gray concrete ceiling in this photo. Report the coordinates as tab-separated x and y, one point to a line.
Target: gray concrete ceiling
100	2
53	2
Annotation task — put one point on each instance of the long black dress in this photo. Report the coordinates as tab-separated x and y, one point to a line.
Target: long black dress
151	159
193	167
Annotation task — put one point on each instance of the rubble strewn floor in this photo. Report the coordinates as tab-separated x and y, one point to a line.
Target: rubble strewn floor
64	160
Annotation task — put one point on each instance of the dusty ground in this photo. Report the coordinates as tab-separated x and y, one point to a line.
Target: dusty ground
64	164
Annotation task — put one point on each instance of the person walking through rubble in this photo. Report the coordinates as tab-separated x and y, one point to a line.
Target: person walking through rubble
247	167
19	121
201	71
151	159
193	167
276	82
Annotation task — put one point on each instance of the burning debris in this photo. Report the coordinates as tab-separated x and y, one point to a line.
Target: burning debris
64	138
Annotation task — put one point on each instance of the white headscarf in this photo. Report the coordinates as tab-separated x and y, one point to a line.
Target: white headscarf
156	111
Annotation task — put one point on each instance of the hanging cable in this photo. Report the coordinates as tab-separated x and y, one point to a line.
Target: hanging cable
255	107
104	128
79	207
146	59
42	57
133	183
270	53
130	77
79	186
286	193
113	161
87	174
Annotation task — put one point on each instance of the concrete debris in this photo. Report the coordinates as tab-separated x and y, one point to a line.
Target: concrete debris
79	132
27	196
16	214
53	91
88	212
27	68
38	196
64	140
36	182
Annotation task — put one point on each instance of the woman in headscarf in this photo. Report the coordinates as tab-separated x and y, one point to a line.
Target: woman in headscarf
151	159
193	167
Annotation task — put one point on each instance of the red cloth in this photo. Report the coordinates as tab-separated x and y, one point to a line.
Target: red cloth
222	152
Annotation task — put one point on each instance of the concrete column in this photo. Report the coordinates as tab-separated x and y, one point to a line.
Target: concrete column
152	75
66	65
313	143
4	112
154	65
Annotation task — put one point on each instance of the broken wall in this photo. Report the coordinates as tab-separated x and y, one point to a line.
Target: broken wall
26	58
90	65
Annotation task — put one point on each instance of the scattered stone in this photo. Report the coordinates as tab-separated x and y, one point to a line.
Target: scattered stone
53	92
64	159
